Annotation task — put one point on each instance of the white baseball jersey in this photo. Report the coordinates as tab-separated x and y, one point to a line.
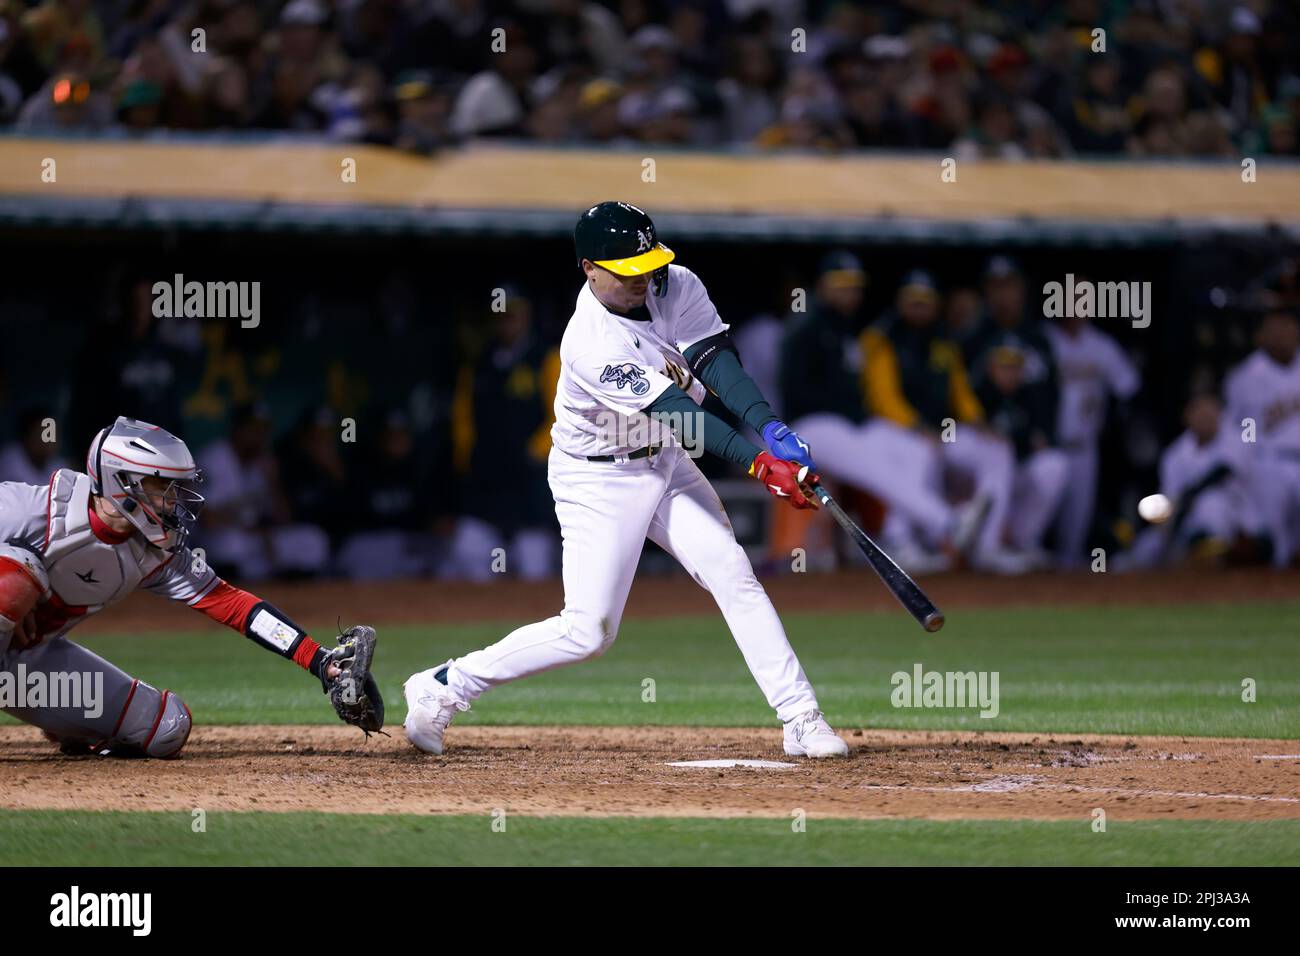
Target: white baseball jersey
89	567
613	366
1090	364
1261	389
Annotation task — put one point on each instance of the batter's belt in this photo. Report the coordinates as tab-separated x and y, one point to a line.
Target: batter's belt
649	451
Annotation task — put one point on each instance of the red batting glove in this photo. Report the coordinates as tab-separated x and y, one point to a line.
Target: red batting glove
783	478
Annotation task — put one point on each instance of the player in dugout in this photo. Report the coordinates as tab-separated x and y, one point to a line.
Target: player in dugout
915	376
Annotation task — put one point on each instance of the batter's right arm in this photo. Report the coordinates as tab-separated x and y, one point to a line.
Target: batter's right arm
716	363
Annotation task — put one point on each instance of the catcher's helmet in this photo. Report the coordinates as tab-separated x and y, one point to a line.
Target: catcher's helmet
621	238
129	450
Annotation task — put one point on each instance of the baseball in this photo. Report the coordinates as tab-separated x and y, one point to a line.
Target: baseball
1155	509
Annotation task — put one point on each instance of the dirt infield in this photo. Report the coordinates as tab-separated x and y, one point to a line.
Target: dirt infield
419	602
594	771
597	771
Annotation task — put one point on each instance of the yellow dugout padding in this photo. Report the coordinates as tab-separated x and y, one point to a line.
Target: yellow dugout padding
496	178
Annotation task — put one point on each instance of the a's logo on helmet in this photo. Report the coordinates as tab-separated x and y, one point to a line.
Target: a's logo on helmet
626	374
645	240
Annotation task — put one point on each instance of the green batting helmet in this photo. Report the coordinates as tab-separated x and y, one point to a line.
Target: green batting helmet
621	238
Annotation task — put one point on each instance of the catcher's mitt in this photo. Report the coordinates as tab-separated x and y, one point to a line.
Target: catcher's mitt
353	692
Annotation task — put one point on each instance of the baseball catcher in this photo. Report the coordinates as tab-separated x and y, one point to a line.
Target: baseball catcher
85	541
634	368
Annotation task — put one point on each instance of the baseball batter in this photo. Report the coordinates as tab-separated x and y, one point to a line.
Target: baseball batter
643	344
85	541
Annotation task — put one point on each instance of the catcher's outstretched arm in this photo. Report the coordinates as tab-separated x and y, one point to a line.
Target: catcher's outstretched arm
344	671
262	623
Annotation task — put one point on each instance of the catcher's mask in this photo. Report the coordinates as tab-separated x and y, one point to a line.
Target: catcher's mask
621	238
125	454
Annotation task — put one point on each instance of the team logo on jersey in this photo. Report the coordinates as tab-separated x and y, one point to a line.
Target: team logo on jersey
626	374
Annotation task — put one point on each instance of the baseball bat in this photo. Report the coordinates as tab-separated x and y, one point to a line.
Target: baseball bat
895	578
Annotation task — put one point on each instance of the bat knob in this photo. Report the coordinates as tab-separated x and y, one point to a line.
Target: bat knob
933	621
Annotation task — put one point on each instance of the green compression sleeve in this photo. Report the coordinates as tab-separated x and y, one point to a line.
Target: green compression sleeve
674	406
728	380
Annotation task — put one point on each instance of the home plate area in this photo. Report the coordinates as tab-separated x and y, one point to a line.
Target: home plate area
673	771
757	764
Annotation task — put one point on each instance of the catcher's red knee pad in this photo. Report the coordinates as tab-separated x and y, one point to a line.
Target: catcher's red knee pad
23	582
156	722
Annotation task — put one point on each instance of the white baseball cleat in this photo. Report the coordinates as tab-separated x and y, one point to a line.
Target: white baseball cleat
430	706
808	735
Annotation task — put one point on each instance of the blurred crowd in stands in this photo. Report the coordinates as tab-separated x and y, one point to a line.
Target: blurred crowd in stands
384	435
997	78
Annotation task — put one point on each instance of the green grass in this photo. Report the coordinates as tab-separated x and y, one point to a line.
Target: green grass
78	838
1151	670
